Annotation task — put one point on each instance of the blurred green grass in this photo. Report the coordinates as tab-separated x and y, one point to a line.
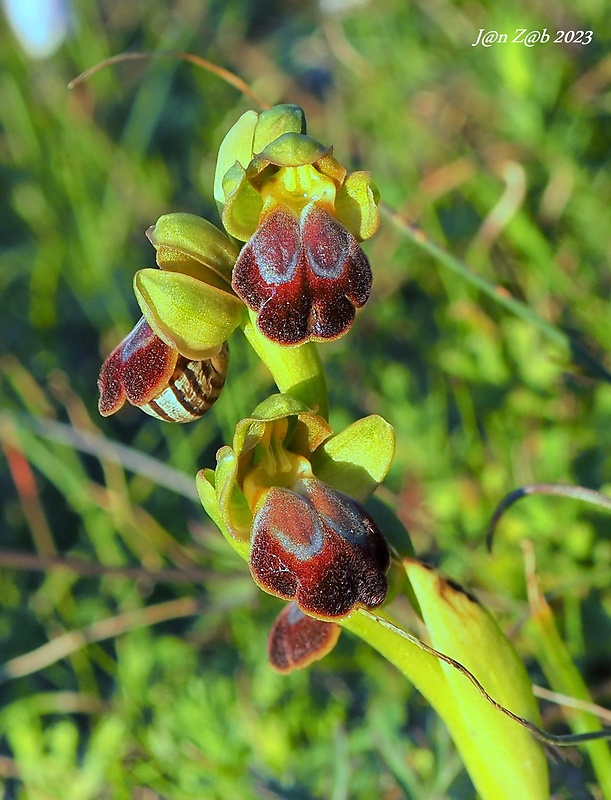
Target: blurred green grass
501	156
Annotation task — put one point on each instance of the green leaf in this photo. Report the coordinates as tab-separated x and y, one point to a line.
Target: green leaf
426	672
503	759
564	678
357	459
419	667
188	314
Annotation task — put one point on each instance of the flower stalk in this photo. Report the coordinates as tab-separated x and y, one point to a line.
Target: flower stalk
297	371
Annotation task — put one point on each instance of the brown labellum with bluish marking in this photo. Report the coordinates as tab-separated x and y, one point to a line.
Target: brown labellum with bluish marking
304	277
320	548
153	376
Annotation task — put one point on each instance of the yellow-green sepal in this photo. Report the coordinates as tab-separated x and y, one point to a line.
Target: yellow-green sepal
356	205
185	238
242	206
358	458
186	313
236	146
207	482
275	121
503	759
306	433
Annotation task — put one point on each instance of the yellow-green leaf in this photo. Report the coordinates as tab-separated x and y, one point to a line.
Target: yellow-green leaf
504	760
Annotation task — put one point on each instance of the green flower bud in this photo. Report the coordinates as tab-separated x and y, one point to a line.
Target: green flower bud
190	244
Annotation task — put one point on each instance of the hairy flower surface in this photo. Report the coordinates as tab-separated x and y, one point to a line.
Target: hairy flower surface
301	215
288	494
296	640
149	374
303	276
319	547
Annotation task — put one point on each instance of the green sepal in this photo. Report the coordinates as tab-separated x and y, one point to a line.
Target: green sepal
234	509
503	759
309	433
356	205
242	206
357	459
171	260
275	121
206	488
186	313
289	150
194	239
236	146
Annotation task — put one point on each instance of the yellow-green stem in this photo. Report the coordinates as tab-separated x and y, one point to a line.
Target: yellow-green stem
296	370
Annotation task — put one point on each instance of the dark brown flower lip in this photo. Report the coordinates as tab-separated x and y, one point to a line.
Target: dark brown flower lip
296	640
303	277
152	375
319	547
136	370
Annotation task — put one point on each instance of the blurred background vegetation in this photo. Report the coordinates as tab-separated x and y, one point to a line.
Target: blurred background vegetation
502	156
